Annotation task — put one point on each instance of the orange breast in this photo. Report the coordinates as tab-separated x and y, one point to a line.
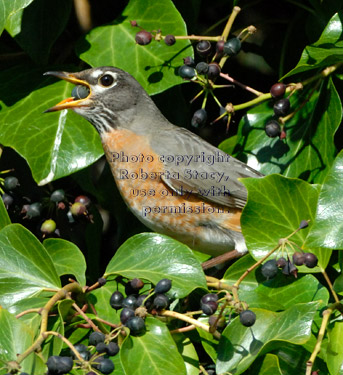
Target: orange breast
137	171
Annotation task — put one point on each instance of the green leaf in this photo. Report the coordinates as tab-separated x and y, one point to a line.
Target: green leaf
9	8
54	144
67	258
15	337
153	353
276	206
209	343
239	346
25	266
154	257
188	352
334	351
37	27
327	228
4	218
152	65
269	366
327	50
308	150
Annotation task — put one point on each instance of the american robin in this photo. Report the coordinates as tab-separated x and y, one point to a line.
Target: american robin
172	180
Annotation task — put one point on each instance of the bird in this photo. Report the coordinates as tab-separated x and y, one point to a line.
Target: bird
172	180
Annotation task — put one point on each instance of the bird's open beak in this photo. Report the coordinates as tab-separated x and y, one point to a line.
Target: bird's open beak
69	102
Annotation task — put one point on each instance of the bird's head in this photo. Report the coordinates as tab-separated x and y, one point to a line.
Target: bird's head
106	96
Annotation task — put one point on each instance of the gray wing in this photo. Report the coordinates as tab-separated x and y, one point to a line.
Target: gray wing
201	168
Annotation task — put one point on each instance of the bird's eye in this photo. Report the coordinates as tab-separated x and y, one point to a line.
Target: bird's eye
106	80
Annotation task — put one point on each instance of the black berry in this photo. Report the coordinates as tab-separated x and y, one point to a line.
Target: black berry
136	284
213	70
203	48
126	314
141	298
310	260
169	40
112	349
199	118
10	183
282	107
57	196
143	37
281	262
104	365
209	308
269	269
102	281
278	90
101	347
209	297
161	301
116	300
220	46
82	349
136	325
80	92
298	258
7	199
232	47
130	302
247	318
273	129
189	61
202	67
59	365
290	269
163	286
34	210
186	71
95	338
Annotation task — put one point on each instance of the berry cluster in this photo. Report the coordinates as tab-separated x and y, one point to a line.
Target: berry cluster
209	304
135	306
270	268
281	108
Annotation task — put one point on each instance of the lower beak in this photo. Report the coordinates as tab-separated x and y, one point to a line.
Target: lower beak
69	102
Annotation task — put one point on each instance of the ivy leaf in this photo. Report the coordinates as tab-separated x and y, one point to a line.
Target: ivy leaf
25	266
308	150
153	65
326	51
153	257
67	258
276	206
9	8
154	353
55	144
327	228
335	349
270	365
239	346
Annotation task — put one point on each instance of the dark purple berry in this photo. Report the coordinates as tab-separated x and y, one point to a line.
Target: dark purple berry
126	314
7	199
48	226
130	302
298	258
247	318
148	303
213	70
203	48
163	286
303	224
143	37
186	71
202	67
80	92
95	338
104	365
116	300
169	40
57	196
232	47
278	90
290	269
282	107
83	199
310	260
189	61
161	301
112	349
281	262
101	347
102	281
136	284
269	269
59	365
209	308
82	349
91	373
209	297
136	325
220	46
273	129
199	118
134	23
10	183
220	322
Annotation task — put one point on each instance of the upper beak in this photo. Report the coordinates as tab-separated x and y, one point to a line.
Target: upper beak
69	102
